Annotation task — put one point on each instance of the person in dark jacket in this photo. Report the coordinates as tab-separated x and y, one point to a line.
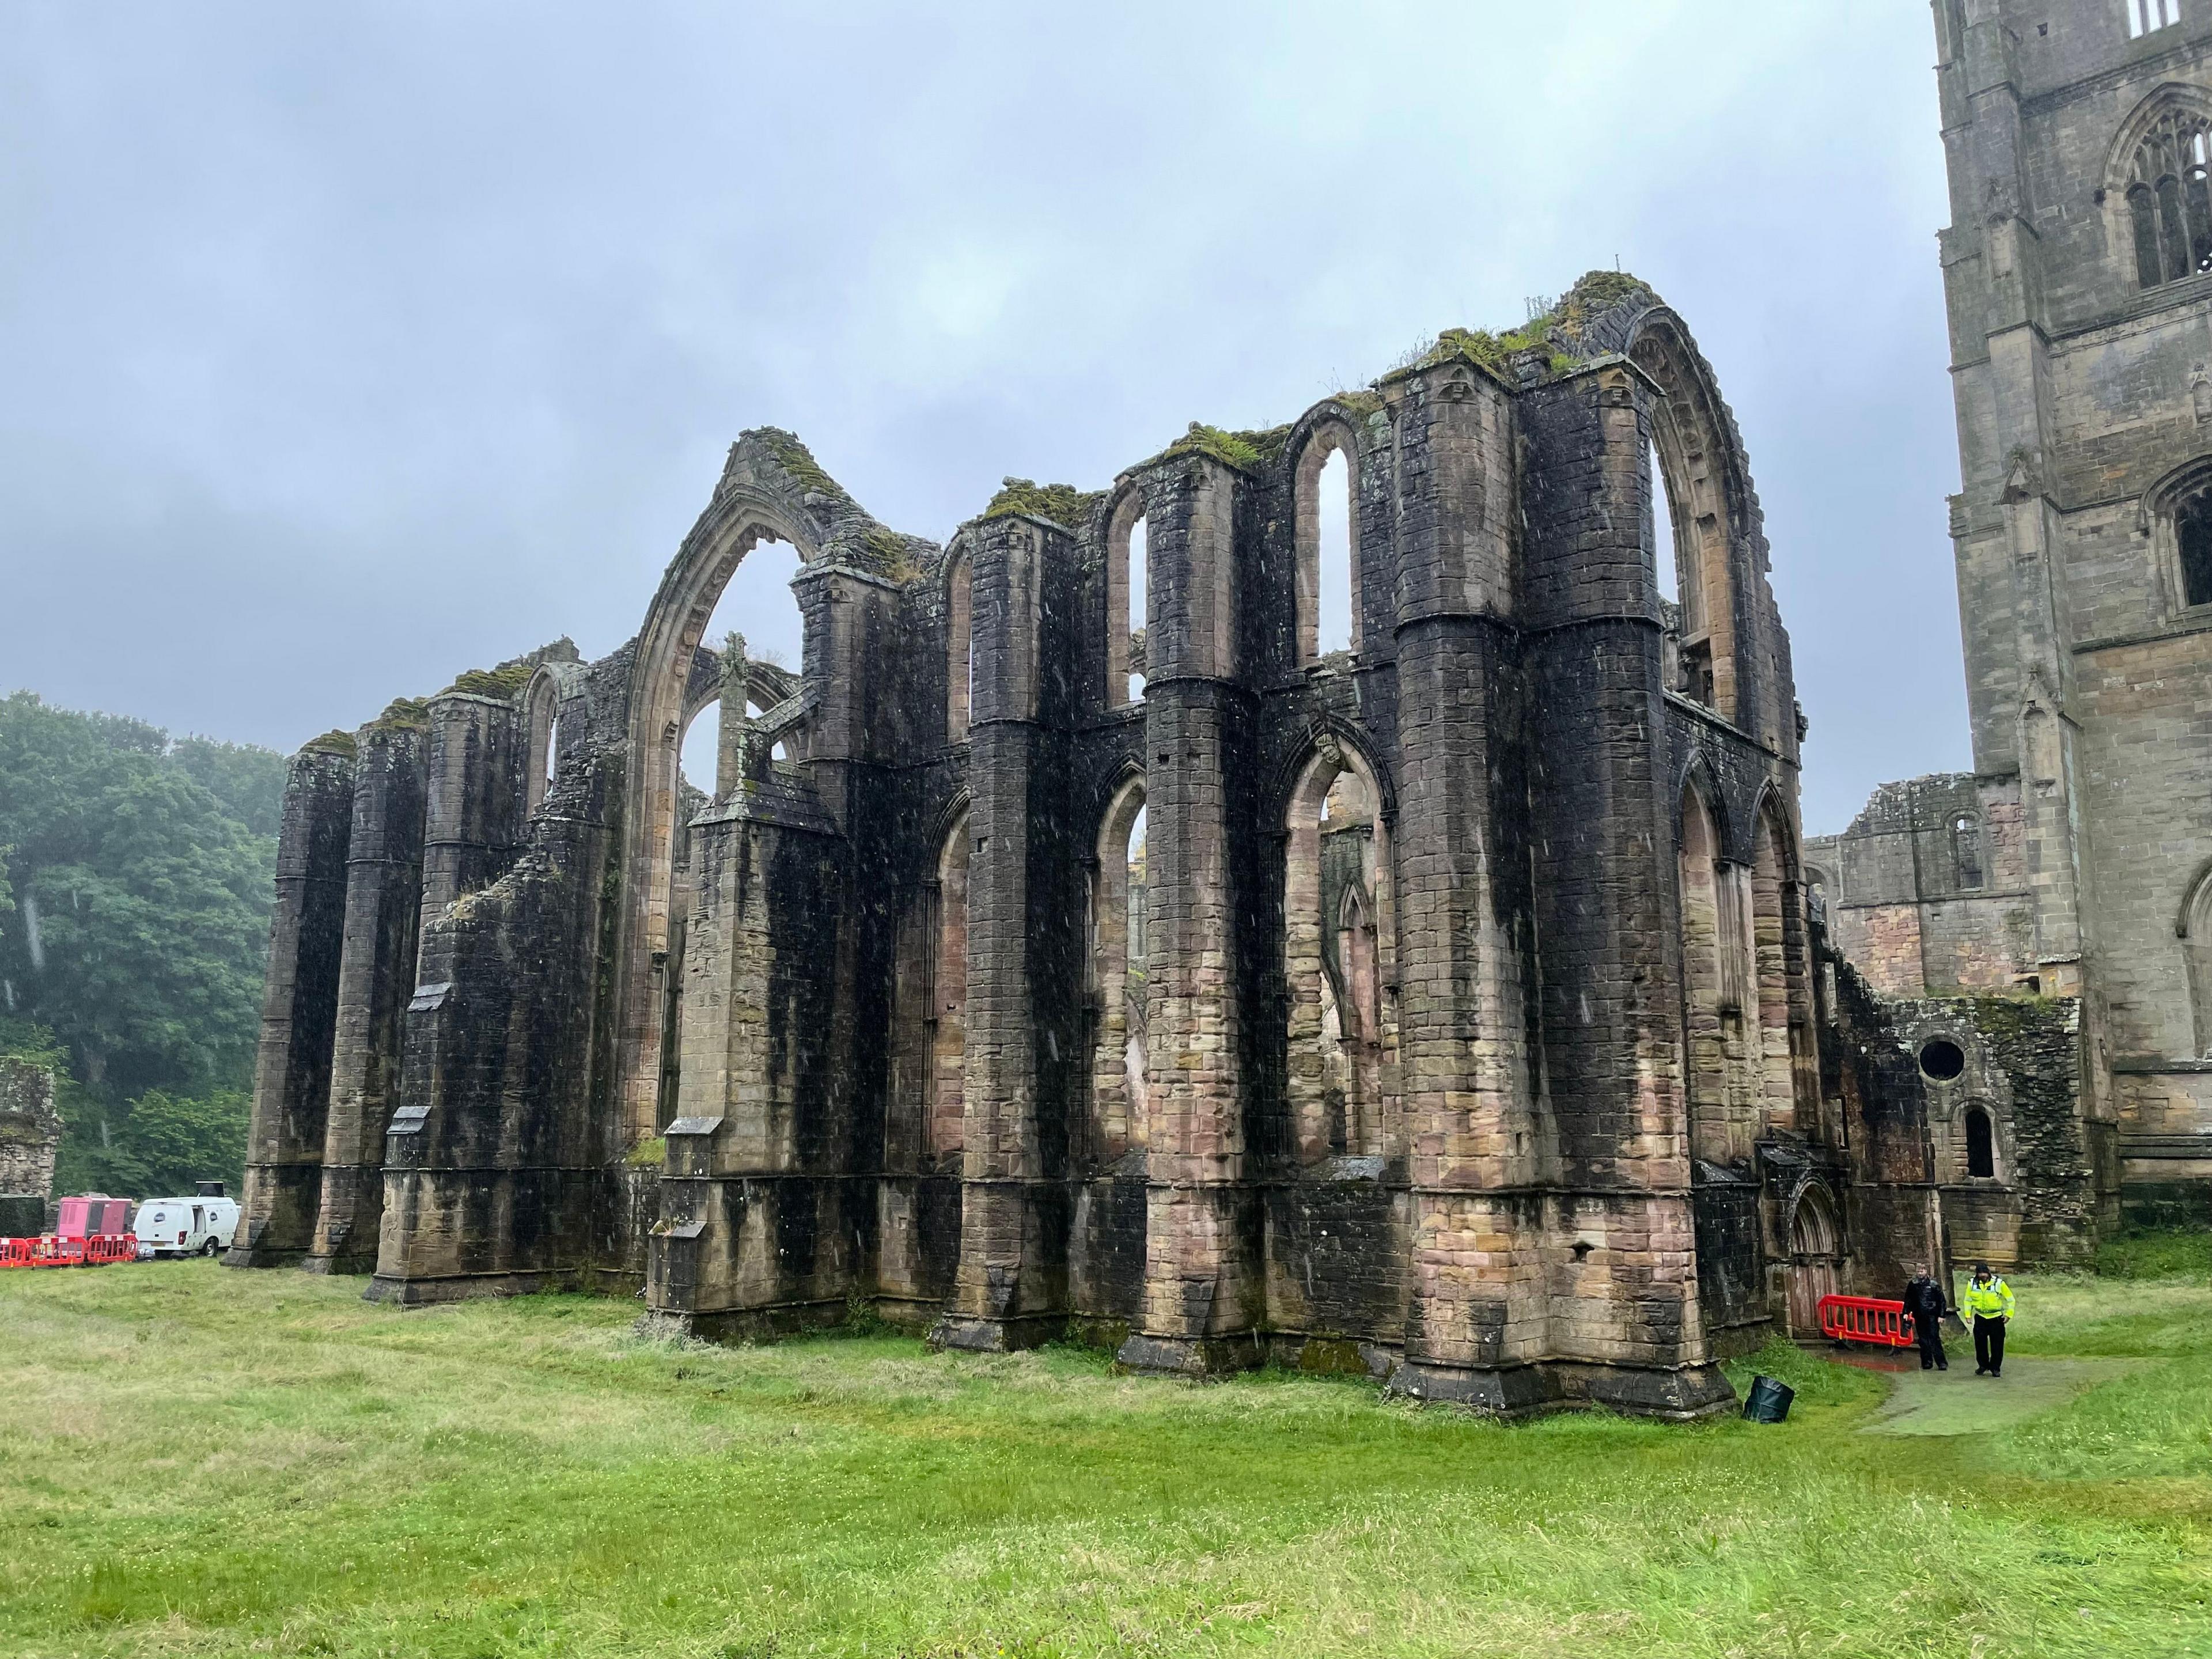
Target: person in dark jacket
1925	1301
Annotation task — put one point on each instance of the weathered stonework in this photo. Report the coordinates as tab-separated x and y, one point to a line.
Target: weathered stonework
2073	863
1458	1020
30	1138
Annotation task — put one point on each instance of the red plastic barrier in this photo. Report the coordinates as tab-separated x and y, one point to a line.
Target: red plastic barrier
110	1247
52	1251
1866	1319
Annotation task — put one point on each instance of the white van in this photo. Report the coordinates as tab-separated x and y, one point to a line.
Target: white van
202	1224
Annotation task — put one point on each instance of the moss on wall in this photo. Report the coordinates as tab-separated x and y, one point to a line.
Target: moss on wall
796	460
402	713
1063	504
505	681
1248	452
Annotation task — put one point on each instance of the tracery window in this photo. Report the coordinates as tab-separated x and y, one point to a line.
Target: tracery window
2145	16
2170	198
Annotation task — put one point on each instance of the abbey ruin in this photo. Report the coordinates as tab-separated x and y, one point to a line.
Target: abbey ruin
1470	1014
2045	921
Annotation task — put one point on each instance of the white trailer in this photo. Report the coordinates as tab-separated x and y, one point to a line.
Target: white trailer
200	1225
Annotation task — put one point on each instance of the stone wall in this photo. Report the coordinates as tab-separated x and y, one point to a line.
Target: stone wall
30	1129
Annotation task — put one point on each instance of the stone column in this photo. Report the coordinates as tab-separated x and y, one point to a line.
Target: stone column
1476	1325
376	977
1626	1327
473	800
1011	1288
292	1073
1203	1286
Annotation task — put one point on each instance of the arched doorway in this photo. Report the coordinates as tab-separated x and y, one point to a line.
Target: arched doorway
1816	1258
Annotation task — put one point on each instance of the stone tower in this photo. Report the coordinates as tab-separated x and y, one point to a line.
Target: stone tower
2058	894
2078	268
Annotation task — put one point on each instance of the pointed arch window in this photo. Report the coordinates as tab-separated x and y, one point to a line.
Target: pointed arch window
2169	197
1127	548
1326	530
960	649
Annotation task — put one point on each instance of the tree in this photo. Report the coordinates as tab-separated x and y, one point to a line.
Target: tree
141	873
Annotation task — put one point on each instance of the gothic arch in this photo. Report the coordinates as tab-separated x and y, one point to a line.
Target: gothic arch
1326	429
944	1119
1122	513
1814	1228
1787	1054
1115	970
1720	546
549	687
1323	731
2193	927
1696	772
2155	194
1815	1253
2175	513
740	518
959	574
1338	962
1721	1074
2170	97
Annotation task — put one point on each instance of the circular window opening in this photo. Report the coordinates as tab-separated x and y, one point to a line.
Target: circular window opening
1942	1059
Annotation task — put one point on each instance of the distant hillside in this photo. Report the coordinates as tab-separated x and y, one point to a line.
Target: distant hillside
135	877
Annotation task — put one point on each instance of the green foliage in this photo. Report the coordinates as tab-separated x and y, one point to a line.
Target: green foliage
332	743
649	1153
497	1477
402	713
2152	1324
1248	451
2157	1254
141	872
248	781
1554	330
505	682
1062	504
162	1146
798	463
1818	1380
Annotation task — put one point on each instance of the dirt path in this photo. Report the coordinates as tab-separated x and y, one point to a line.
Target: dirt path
1957	1401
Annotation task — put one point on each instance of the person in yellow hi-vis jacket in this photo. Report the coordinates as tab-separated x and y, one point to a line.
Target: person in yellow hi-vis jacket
1989	1302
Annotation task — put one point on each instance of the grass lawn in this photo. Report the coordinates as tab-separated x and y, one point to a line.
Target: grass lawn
196	1461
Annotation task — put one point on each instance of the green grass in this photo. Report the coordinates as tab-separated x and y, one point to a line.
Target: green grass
2156	1255
196	1460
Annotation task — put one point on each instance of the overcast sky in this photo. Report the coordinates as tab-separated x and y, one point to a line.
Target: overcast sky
346	347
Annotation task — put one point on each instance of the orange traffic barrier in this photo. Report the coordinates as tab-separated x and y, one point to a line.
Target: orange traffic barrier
50	1251
1866	1319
